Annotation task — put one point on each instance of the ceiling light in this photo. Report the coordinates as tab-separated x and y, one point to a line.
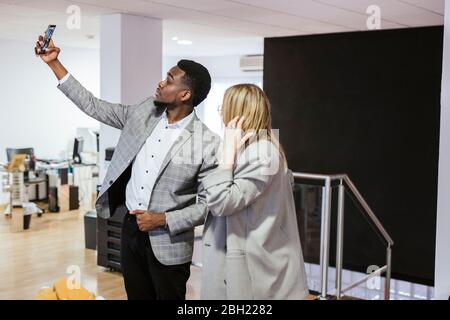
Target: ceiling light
175	38
184	42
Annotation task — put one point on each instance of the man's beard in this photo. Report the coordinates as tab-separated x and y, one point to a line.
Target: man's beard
161	104
165	105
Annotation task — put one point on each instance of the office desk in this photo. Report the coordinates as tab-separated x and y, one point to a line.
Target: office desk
46	176
37	187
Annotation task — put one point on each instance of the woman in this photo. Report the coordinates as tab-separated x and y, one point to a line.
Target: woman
251	244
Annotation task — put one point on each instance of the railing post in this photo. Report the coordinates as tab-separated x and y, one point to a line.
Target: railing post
325	237
325	231
387	280
340	240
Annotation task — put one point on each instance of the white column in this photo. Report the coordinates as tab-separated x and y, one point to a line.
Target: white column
130	65
442	268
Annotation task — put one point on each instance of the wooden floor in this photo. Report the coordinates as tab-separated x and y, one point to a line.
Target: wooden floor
37	257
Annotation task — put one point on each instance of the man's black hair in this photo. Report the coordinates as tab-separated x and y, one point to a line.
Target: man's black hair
198	79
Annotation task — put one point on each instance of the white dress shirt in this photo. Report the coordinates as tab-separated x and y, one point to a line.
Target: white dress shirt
148	161
64	79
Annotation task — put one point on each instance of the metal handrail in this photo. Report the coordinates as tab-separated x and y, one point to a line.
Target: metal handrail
369	276
344	180
376	273
368	211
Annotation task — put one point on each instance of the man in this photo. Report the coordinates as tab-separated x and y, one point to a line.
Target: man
152	175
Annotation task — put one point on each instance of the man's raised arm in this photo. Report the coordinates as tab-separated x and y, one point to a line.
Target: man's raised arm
112	114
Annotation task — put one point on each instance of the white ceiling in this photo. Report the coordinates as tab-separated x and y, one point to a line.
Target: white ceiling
216	27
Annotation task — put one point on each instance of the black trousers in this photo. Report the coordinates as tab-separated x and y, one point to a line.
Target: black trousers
145	277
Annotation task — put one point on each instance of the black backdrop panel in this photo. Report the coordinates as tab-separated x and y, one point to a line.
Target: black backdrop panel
367	104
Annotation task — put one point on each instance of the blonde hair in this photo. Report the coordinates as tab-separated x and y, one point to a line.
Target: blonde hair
249	101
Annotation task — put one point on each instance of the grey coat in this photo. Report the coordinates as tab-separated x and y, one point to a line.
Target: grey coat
178	184
251	244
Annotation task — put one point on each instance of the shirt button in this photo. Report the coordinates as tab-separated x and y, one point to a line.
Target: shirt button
167	127
153	156
140	204
142	188
146	171
111	182
159	140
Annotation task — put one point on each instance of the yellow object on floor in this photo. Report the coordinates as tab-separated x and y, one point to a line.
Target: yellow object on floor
61	291
46	294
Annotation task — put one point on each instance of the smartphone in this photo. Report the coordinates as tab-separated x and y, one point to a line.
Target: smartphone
47	37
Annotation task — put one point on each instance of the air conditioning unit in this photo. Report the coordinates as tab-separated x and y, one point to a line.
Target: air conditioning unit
252	63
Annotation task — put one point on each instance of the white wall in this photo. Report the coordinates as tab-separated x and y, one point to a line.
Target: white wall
442	268
33	112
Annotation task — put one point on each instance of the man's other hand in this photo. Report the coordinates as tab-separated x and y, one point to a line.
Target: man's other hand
149	220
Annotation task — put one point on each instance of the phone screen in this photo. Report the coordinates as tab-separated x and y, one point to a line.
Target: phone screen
48	37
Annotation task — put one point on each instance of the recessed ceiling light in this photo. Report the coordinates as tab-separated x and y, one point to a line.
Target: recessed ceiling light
184	42
175	38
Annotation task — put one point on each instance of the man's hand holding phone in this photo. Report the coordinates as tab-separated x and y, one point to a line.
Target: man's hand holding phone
48	55
46	49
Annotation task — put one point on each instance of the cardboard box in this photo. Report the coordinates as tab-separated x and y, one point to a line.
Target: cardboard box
17	163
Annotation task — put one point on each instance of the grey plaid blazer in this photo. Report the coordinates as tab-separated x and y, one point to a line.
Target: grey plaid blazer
178	189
